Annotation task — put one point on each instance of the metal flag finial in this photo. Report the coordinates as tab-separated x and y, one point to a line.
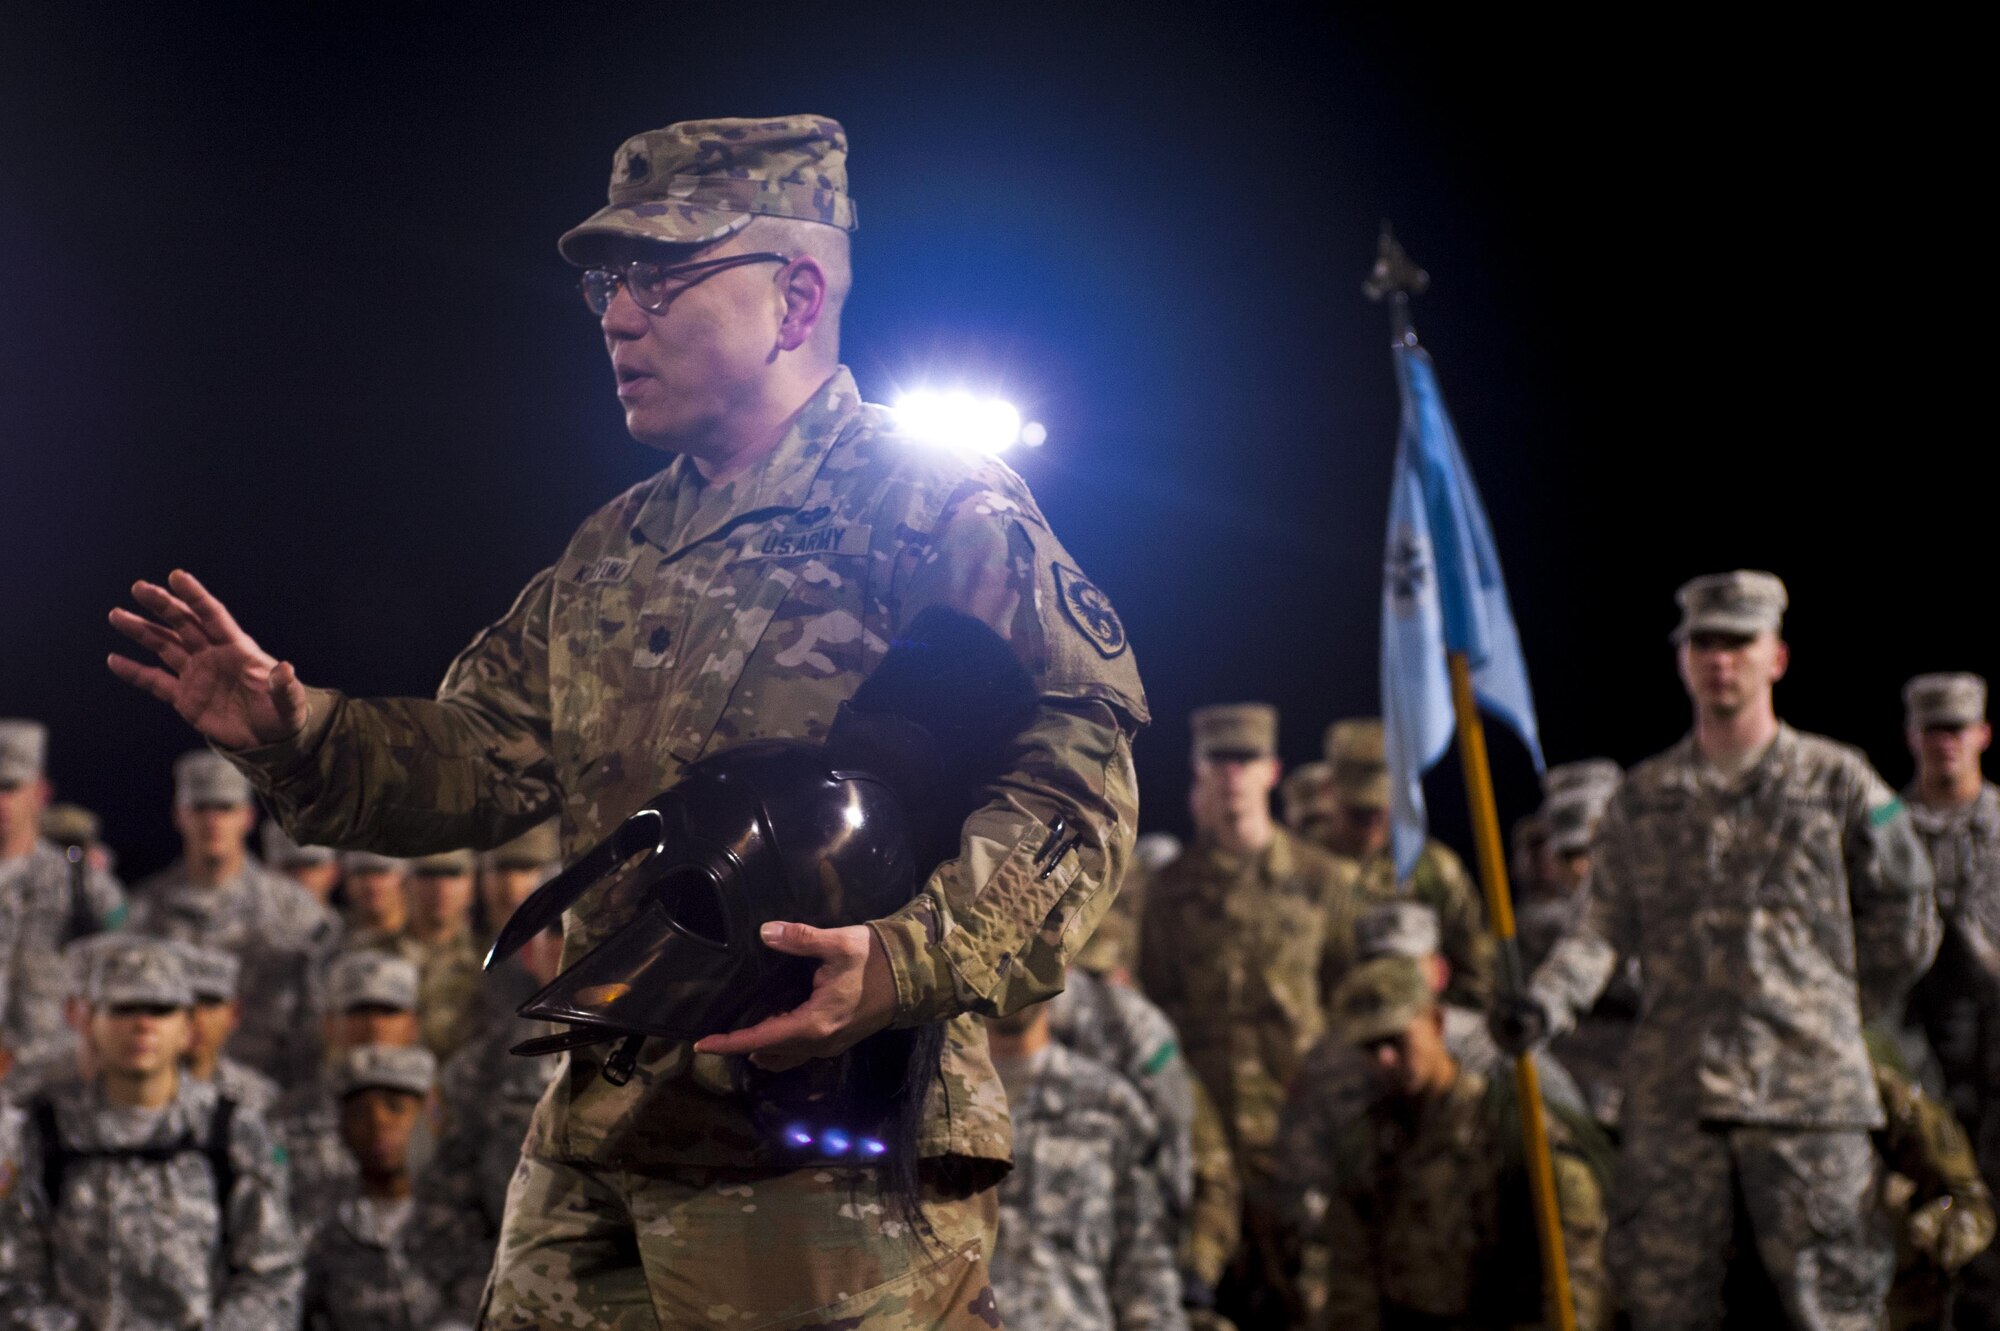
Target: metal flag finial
1395	278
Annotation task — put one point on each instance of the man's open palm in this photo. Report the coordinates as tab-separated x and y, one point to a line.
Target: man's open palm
211	671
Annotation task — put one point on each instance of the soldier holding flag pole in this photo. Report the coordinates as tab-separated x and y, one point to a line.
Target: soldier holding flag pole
1448	647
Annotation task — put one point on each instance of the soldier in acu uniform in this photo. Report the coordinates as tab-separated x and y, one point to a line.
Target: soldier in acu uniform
359	1275
1773	888
1429	1222
138	1200
742	593
441	892
46	900
1231	949
1085	1240
216	895
1359	839
216	1013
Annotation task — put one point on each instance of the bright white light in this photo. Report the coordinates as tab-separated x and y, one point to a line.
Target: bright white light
1034	434
960	420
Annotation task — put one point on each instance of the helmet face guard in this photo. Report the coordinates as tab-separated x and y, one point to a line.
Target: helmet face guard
769	830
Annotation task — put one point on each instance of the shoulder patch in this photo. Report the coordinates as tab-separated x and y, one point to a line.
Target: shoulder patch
1882	813
1089	609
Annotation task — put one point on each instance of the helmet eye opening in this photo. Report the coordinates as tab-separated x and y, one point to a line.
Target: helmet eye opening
692	899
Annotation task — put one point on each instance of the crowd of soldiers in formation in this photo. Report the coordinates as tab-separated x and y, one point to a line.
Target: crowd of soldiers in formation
256	1093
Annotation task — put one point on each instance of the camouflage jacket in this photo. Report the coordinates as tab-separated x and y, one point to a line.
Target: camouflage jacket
1440	882
1964	846
139	1244
38	915
359	1276
1769	914
1957	1003
1230	948
306	1125
1117	1027
245	1085
1930	1169
684	618
279	933
1083	1242
1336	1087
1428	1217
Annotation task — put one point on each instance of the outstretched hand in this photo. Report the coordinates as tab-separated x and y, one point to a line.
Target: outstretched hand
211	671
853	996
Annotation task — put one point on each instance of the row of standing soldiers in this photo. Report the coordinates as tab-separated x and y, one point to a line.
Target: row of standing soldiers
254	1093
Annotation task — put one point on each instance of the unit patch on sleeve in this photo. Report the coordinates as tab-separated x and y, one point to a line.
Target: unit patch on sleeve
1090	610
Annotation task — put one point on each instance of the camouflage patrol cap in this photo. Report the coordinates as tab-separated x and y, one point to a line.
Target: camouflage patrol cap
697	181
538	846
367	861
1397	929
138	972
71	825
411	1068
1745	602
1579	775
1235	729
1360	762
281	852
1570	817
204	778
1944	700
23	748
1380	999
371	979
450	863
212	973
79	959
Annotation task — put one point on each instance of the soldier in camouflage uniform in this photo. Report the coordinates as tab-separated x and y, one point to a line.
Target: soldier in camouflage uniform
359	1274
216	1013
1311	805
486	1098
1956	1007
742	593
372	1000
1112	950
45	901
510	872
137	1200
1429	1223
448	1005
1941	1208
1231	949
1085	1240
315	868
378	903
1773	888
1359	839
215	895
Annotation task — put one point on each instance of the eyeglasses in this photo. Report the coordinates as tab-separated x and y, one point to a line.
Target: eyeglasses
653	285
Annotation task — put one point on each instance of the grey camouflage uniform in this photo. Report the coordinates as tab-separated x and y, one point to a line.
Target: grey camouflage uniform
1769	915
359	1276
1084	1242
279	933
245	1085
36	918
136	1245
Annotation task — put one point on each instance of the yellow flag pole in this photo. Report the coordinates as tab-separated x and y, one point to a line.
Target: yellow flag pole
1500	914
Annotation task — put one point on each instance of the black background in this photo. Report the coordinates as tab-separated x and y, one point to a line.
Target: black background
280	303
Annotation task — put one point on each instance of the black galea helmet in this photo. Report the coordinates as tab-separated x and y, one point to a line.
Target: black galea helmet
828	835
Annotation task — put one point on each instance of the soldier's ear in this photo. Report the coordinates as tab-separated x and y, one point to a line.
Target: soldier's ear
1781	660
802	287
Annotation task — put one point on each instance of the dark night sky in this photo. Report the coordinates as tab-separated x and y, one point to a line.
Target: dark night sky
280	302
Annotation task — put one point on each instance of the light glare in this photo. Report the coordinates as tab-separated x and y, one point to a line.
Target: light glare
958	419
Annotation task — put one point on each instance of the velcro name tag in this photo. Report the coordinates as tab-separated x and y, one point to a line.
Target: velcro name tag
849	538
611	568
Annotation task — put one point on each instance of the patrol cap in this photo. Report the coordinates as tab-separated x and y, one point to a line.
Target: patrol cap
449	863
396	1067
533	849
71	825
1944	700
697	181
79	959
1570	817
1235	730
1397	929
24	746
371	979
1379	999
1585	772
367	861
281	852
138	972
212	973
1745	602
203	777
1360	762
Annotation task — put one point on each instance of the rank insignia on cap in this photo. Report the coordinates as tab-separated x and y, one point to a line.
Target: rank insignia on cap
636	166
1090	610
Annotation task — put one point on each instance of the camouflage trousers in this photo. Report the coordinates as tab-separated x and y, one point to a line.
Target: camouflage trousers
1811	1201
590	1247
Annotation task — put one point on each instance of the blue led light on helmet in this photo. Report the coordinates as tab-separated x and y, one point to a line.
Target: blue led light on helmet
796	1135
834	1142
873	1148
